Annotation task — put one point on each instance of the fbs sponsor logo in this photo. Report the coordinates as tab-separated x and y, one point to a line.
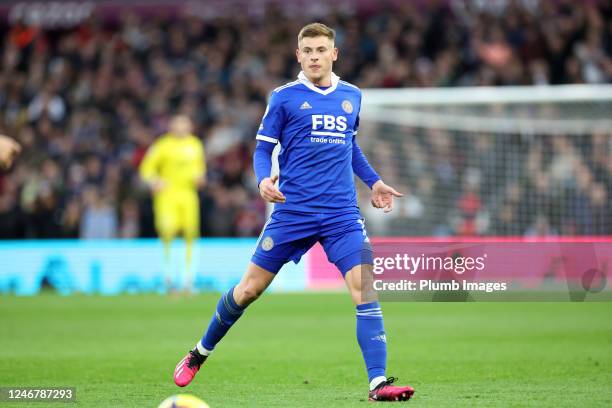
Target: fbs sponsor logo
329	122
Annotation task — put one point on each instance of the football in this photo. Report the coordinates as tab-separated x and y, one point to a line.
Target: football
183	401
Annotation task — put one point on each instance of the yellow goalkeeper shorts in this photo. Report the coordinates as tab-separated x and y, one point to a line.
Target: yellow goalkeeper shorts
177	211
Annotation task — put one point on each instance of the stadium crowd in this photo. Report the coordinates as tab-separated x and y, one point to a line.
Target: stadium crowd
86	102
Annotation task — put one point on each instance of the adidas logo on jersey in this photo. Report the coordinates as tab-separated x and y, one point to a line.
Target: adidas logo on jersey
305	105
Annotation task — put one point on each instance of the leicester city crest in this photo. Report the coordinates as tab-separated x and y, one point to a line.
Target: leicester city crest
267	243
347	106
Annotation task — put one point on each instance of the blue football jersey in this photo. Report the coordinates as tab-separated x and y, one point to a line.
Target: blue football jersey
315	128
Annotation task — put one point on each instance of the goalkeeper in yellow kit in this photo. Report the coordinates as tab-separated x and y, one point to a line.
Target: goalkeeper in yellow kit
174	167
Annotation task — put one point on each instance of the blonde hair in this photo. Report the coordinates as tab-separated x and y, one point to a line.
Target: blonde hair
316	30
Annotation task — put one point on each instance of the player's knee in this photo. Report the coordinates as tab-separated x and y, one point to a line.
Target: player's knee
360	284
248	293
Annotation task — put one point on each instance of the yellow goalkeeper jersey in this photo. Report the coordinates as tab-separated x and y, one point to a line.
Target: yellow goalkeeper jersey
177	161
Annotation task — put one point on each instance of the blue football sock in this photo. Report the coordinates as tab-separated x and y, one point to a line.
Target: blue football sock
225	316
372	340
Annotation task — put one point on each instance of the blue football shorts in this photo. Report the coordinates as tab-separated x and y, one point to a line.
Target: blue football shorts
289	234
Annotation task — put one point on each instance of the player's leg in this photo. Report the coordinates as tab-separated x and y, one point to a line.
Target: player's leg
277	245
188	270
232	304
229	309
274	249
169	278
370	326
371	335
166	224
190	224
346	243
271	254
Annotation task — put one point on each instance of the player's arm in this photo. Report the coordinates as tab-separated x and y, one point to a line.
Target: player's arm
200	167
262	164
361	166
267	137
382	194
149	168
9	148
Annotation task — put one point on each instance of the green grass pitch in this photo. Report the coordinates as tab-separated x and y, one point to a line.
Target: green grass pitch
299	350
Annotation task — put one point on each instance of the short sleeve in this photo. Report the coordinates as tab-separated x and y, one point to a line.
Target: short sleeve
273	120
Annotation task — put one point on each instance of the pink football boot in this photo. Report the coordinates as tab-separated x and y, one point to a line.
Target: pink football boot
388	392
188	367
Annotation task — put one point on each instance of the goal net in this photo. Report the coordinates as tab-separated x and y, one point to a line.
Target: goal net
511	161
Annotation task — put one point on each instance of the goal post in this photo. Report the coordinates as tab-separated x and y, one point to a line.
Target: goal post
492	161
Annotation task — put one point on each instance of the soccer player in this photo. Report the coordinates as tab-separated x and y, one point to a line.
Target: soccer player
174	168
9	149
315	120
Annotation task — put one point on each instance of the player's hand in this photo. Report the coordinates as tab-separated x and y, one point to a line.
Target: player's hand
9	149
201	182
382	196
157	185
270	192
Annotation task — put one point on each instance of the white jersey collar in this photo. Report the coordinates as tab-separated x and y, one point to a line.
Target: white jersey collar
334	83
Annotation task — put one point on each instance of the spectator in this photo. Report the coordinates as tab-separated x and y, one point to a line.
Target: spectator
99	218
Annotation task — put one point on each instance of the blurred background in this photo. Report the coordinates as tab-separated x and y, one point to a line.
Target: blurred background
494	117
87	87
